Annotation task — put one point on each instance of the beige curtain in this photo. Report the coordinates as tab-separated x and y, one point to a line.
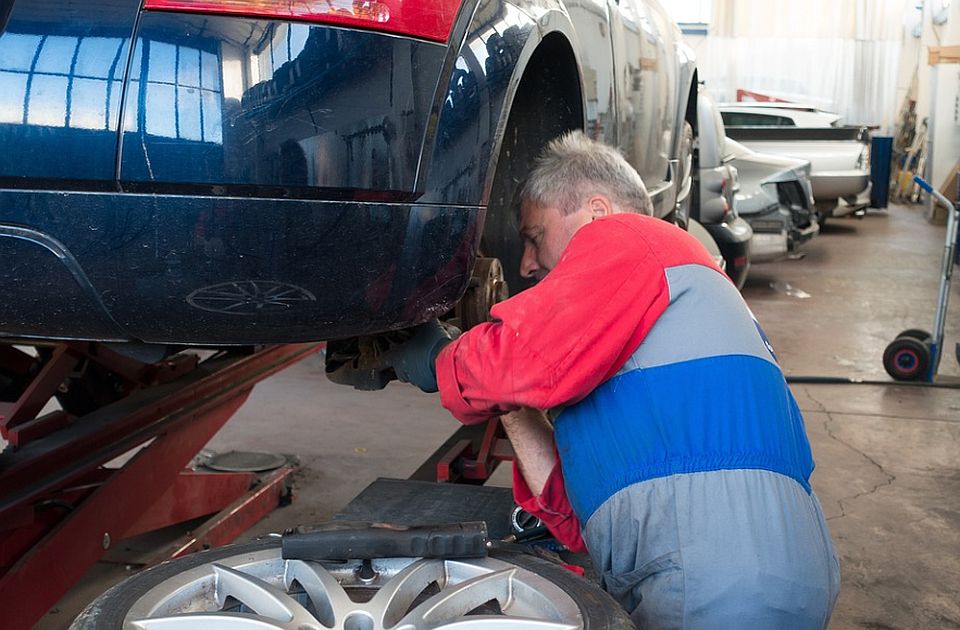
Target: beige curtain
841	55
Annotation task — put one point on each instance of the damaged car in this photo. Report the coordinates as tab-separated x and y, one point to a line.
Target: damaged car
776	198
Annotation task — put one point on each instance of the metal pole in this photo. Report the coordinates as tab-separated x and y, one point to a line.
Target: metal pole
946	271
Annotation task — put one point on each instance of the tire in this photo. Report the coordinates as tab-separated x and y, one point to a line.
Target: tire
916	333
597	609
703	236
907	359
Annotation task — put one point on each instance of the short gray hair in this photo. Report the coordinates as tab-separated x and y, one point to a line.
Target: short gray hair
573	167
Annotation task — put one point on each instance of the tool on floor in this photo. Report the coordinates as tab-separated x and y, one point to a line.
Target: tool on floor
368	541
915	354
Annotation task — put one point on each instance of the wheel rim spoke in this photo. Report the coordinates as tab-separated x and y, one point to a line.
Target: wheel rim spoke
396	596
455	602
328	597
264	599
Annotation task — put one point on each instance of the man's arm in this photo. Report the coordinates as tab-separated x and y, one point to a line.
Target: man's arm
538	484
531	435
552	344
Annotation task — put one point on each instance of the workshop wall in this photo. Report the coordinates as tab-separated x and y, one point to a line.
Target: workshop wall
946	150
835	55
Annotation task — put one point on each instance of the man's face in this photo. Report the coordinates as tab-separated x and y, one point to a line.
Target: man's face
546	232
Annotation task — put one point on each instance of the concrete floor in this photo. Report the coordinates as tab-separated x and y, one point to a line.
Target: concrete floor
888	457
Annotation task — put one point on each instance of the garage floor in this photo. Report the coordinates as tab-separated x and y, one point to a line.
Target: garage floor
888	457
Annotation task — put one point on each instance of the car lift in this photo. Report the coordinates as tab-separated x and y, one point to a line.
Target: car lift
62	507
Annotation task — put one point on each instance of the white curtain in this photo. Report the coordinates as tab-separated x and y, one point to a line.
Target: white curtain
840	55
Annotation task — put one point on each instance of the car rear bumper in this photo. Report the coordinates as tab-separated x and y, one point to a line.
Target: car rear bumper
225	270
775	233
831	185
733	238
768	246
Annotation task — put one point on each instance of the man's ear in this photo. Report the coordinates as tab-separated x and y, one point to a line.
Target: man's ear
600	206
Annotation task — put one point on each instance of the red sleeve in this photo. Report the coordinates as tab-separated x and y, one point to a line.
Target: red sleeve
552	344
551	506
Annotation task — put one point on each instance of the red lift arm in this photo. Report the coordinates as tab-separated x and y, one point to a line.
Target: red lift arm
61	507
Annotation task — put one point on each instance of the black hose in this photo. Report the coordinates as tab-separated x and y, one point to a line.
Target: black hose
843	380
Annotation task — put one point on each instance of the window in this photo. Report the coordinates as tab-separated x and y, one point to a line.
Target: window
693	16
743	119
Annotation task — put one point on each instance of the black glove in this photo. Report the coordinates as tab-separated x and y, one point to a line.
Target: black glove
413	360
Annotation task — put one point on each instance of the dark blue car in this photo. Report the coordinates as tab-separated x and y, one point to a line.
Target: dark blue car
242	172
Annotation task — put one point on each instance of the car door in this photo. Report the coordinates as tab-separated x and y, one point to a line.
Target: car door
646	78
591	19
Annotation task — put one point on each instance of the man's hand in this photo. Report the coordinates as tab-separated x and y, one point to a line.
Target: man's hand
413	360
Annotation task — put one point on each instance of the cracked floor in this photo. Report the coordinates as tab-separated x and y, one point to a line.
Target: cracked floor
888	457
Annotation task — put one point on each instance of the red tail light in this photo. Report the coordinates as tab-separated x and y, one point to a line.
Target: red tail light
427	19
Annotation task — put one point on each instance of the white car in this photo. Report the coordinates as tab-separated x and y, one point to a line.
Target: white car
839	156
777	115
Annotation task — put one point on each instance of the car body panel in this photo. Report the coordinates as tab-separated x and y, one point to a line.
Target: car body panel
460	158
776	197
734	237
227	270
716	201
215	100
646	72
277	181
61	77
717	176
839	156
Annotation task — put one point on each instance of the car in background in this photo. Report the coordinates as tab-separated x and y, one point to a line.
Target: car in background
186	172
762	114
839	155
775	196
715	187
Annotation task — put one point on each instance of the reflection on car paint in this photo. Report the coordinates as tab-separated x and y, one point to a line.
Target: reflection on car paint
61	89
248	297
217	100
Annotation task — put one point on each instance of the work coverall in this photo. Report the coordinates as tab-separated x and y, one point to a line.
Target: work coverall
681	450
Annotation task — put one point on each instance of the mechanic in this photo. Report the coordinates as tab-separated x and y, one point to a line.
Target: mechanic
672	435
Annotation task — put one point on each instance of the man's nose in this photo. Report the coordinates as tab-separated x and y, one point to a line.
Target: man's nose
528	264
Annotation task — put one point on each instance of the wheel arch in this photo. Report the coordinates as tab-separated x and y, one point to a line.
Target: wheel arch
527	90
476	94
545	102
557	37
